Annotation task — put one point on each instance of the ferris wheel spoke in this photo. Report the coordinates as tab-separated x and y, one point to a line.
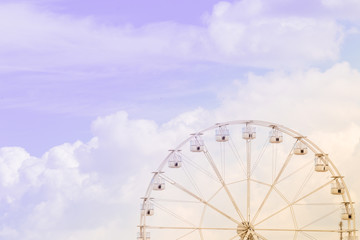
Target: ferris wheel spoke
273	185
192	181
320	218
201	235
302	186
297	230
198	167
172	213
222	160
296	171
274	161
314	204
211	161
266	144
173	200
237	155
260	182
260	236
169	180
248	175
291	206
281	195
312	192
294	202
186	234
308	236
295	235
191	228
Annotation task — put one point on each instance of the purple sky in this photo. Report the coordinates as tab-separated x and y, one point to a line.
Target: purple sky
61	100
135	12
31	88
91	70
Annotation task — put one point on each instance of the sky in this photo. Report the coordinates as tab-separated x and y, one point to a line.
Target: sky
94	93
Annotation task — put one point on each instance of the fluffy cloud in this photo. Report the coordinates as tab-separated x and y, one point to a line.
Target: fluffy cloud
86	190
347	9
324	97
240	33
91	190
245	35
11	159
323	105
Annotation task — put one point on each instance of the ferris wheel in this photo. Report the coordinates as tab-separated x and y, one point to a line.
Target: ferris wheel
248	180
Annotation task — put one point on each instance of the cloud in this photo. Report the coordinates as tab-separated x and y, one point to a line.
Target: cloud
346	10
91	190
103	68
238	33
246	36
85	190
11	161
312	94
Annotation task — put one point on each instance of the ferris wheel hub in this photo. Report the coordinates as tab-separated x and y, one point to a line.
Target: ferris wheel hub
245	230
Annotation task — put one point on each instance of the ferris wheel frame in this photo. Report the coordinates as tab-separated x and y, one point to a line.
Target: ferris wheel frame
245	228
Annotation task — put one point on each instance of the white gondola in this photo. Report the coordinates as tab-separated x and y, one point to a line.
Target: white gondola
321	163
197	144
248	132
159	184
222	134
175	160
346	213
300	149
337	188
346	216
140	236
147	209
275	136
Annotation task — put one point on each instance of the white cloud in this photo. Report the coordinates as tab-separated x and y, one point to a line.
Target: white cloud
343	9
92	190
11	159
85	190
246	36
235	33
307	99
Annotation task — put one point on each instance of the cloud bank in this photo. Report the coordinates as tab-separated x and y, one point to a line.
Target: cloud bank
90	190
243	33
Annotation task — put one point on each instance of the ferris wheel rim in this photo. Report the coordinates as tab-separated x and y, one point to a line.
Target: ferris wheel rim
288	131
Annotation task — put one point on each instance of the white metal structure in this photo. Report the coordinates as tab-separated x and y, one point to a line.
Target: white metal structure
222	134
196	143
175	159
243	184
300	148
147	209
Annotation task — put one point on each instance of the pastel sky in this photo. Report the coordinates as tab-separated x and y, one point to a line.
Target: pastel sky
94	93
